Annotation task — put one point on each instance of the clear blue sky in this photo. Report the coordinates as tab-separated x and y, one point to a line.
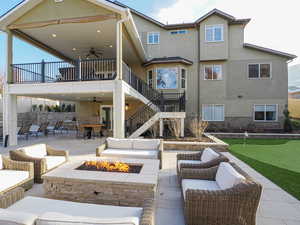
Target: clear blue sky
25	53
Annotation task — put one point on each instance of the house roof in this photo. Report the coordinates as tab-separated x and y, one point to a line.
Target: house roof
175	59
271	51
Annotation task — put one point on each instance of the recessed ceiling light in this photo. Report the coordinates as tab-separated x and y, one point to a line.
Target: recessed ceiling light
54	35
110	46
74	49
98	31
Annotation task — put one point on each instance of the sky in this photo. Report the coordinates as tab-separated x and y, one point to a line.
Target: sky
274	24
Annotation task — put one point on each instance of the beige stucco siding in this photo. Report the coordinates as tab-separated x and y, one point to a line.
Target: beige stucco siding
214	50
49	10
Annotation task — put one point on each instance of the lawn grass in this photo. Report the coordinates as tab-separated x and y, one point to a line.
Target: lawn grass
276	159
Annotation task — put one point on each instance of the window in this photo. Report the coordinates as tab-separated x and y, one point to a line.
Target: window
166	78
150	78
265	113
213	72
213	112
178	32
153	38
213	33
183	78
259	71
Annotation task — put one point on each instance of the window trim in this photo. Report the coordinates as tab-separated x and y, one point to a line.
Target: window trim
152	78
259	76
185	78
213	113
214	25
212	65
265	121
153	33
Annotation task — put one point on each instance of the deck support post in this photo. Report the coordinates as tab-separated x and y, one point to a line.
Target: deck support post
161	128
119	47
182	127
119	110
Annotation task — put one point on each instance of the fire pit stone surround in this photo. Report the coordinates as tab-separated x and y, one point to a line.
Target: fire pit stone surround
113	188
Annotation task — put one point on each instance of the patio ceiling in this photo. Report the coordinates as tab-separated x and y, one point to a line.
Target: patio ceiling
75	40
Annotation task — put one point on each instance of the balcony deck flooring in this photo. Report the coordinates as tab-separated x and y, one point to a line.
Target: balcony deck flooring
277	207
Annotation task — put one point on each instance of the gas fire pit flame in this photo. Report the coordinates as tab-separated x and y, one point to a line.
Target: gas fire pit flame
108	166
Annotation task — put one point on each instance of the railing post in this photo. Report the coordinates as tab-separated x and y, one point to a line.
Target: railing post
43	71
77	69
162	101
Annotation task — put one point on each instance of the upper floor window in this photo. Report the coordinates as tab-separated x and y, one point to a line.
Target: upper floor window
178	32
259	71
153	38
213	72
150	78
265	113
167	78
214	33
213	112
183	78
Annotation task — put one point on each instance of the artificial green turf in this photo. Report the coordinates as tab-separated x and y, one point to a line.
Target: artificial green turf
276	159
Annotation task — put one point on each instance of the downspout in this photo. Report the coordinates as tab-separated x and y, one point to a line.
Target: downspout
198	71
119	45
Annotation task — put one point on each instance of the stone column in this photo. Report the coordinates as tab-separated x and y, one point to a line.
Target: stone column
182	127
119	110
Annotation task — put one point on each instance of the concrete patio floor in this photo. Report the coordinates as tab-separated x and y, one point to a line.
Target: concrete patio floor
277	206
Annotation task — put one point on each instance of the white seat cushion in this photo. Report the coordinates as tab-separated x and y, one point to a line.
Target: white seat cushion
208	155
199	185
39	206
227	176
54	161
51	218
188	162
36	151
146	144
10	178
119	143
34	128
1	162
8	217
129	153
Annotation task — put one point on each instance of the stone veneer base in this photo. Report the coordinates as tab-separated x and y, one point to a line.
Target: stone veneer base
95	187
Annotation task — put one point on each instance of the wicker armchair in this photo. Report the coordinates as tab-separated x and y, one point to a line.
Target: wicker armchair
233	206
197	157
9	164
9	198
40	163
100	150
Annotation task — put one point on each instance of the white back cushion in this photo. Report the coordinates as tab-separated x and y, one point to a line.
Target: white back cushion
52	218
36	151
119	143
227	176
208	155
8	217
1	163
146	144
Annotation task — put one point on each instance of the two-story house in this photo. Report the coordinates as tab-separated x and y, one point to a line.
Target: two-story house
130	71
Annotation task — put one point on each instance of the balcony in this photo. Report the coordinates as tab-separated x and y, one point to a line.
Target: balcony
51	72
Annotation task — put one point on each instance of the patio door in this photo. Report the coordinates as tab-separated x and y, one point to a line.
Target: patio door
106	116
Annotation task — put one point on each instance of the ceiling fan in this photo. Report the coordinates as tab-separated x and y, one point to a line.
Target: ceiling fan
94	53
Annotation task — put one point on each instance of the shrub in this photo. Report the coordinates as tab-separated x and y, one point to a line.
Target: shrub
198	127
175	127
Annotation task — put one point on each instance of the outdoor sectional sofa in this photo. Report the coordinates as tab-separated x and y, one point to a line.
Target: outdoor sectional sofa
42	211
14	174
131	148
204	159
44	158
220	195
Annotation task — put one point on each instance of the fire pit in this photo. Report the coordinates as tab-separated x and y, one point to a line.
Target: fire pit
106	166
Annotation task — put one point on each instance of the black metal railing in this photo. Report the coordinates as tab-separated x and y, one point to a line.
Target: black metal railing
80	70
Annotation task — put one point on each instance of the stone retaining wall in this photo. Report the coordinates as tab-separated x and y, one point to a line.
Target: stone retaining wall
257	135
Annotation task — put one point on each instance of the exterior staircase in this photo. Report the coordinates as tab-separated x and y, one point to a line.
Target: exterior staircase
160	106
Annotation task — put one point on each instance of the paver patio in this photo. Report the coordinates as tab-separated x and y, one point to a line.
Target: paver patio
277	206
